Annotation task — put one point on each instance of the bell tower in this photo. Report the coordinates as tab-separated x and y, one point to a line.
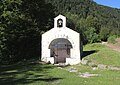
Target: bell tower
60	22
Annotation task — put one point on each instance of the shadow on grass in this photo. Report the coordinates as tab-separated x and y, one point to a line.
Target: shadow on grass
24	81
25	74
86	53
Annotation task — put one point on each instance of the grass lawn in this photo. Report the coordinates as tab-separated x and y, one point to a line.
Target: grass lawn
102	54
38	74
51	75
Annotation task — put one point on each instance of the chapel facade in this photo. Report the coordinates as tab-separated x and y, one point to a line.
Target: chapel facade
61	44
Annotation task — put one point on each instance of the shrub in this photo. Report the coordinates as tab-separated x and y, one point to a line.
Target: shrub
112	40
91	35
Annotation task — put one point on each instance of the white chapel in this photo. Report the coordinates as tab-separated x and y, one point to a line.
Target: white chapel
61	44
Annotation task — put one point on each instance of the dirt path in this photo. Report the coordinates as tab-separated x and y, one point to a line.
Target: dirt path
116	46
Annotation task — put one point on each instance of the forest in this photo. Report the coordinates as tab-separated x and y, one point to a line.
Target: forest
95	22
23	21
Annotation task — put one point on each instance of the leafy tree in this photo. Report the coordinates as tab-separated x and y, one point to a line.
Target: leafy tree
21	24
104	33
91	35
83	14
72	20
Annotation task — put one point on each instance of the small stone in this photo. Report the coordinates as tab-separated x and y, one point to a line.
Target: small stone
92	64
72	69
113	68
60	68
87	75
84	62
94	68
101	66
104	43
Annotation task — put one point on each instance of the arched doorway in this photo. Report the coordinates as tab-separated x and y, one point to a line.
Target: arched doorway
60	50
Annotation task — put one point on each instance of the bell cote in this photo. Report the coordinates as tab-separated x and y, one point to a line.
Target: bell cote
60	21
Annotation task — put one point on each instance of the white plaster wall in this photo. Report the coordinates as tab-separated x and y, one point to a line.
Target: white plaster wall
72	61
66	33
63	32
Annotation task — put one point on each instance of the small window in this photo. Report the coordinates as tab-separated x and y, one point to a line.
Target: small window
59	23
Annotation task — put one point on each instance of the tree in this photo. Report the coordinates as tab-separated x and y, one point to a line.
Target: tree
83	14
22	22
72	20
91	35
104	33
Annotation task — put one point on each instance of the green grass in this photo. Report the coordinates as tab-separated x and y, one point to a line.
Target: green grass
38	74
103	55
51	75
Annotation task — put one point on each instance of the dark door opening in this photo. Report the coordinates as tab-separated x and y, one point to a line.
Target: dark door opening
60	50
60	55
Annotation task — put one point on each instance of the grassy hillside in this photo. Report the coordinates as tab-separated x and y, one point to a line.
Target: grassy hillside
102	55
42	74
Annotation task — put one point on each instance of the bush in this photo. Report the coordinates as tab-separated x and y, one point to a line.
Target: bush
112	40
91	35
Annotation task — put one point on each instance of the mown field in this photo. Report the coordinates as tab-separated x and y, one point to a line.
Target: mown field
43	74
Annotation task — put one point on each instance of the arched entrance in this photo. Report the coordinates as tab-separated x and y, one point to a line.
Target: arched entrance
60	50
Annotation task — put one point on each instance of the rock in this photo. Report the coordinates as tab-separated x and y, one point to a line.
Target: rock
84	62
62	65
101	66
104	43
92	64
95	68
87	75
60	68
113	68
72	69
